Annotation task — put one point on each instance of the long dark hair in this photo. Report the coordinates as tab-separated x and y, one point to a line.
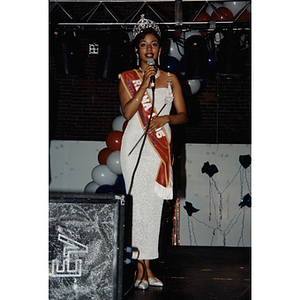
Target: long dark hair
142	35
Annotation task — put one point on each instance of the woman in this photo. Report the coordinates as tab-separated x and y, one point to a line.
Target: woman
152	181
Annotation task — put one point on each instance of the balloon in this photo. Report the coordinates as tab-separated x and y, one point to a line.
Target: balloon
246	201
190	208
118	123
185	35
210	170
120	185
172	64
105	189
102	156
195	85
102	175
235	6
210	10
114	140
113	162
245	160
203	17
174	50
245	16
224	13
91	187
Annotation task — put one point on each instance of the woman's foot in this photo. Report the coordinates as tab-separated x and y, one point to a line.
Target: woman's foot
141	284
154	281
145	275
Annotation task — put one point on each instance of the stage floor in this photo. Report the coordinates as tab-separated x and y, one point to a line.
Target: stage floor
195	273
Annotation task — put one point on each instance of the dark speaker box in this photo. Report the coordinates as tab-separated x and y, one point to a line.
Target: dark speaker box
86	246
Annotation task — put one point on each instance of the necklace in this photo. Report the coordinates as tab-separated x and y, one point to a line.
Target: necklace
156	75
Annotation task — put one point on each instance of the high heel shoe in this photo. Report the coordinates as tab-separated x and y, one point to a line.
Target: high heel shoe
141	284
154	281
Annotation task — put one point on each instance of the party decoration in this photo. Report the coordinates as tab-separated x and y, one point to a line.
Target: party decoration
186	34
113	162
235	6
174	50
91	187
224	14
118	122
245	16
203	17
120	185
103	154
105	189
246	201
114	140
245	160
215	213
210	170
190	208
195	85
102	175
210	9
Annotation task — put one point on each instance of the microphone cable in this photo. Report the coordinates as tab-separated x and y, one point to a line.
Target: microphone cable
143	143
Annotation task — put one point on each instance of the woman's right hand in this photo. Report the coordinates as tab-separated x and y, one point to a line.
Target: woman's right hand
150	71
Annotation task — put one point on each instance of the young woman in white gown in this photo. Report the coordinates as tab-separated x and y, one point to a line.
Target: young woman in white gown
153	178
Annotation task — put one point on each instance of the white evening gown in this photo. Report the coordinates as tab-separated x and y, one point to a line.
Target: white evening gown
147	206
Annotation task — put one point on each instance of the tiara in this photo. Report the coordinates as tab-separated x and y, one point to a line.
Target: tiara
143	24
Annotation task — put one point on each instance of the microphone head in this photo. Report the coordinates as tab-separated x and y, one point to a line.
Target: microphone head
151	62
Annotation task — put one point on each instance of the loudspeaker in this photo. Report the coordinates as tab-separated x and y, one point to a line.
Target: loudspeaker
86	246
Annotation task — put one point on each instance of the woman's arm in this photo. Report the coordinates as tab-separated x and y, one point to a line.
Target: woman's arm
130	104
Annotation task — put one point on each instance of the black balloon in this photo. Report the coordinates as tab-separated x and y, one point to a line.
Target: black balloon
245	160
190	208
208	169
246	201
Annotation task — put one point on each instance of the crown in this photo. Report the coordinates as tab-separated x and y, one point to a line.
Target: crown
143	24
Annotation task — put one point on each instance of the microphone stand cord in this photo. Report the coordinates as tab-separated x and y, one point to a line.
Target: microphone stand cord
143	143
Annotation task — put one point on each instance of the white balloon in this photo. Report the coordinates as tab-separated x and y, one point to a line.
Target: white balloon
210	10
195	85
174	50
118	122
91	187
186	34
102	175
113	162
235	6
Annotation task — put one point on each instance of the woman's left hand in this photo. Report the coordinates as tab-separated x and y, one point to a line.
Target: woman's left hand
157	122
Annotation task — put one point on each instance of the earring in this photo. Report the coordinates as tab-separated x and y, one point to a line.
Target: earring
158	60
137	59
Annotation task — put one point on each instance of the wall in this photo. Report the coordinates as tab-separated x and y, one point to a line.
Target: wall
71	164
73	161
224	190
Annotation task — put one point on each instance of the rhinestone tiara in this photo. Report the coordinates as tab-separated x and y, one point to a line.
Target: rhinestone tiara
143	24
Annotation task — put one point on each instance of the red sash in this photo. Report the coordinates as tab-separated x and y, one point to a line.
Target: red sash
157	139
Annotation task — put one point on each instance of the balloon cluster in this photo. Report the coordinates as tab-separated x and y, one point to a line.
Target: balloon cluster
107	176
197	55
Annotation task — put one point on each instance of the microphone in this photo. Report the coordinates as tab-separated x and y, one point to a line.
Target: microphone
151	62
